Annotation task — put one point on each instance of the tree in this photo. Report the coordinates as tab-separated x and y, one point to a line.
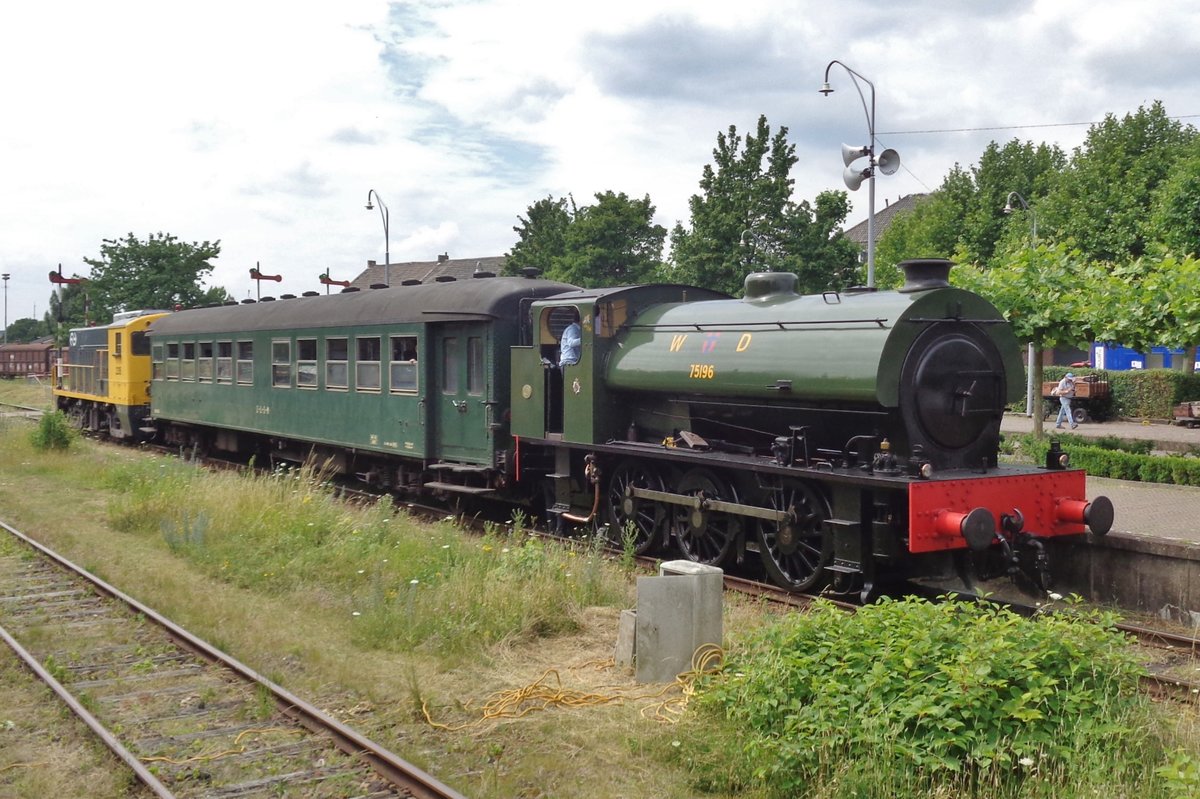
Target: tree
964	219
744	220
23	331
1103	201
611	243
158	273
70	306
1150	302
541	237
1175	217
1022	167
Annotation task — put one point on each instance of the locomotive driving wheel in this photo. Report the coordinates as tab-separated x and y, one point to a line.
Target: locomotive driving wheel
793	550
705	536
630	515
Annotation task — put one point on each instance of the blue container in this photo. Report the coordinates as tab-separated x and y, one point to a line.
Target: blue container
1117	358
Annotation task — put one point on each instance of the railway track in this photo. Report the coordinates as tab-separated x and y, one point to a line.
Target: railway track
1161	678
188	720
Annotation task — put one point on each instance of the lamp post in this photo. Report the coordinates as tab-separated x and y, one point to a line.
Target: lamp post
6	276
888	162
387	241
1008	209
1030	353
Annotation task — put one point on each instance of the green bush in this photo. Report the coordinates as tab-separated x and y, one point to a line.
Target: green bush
912	698
1103	461
53	432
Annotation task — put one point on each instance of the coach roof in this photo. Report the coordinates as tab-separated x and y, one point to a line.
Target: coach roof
480	298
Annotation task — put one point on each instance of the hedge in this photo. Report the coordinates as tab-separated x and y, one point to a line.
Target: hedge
1140	393
1100	462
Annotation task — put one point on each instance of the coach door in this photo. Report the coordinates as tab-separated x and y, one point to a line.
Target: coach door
461	397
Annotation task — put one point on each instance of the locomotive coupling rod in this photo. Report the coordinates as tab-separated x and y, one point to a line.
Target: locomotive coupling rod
718	505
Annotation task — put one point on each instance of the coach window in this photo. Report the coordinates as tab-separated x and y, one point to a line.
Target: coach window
187	364
204	363
117	339
157	369
337	356
450	366
475	365
403	364
173	360
224	361
281	364
366	366
306	363
245	363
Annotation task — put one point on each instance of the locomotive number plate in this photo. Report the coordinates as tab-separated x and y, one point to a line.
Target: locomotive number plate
702	371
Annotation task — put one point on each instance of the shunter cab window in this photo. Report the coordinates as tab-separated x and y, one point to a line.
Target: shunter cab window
403	364
204	366
245	363
281	364
140	343
306	362
157	370
173	360
337	370
224	361
366	367
475	376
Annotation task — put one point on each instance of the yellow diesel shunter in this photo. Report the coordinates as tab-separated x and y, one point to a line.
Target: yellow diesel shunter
103	385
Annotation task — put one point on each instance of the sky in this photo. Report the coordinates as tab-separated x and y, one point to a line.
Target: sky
265	124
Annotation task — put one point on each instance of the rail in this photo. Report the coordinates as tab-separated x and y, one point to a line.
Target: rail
400	774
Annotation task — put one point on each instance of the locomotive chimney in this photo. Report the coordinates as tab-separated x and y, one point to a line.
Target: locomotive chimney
922	274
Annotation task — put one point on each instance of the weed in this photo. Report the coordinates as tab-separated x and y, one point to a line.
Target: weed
53	432
1181	774
628	548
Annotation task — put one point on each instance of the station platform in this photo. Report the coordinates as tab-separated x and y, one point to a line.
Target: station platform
1150	510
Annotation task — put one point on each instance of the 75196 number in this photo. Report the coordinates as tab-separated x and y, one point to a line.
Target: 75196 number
702	371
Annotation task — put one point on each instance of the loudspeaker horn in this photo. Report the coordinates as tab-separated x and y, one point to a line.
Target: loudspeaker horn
849	153
853	177
889	161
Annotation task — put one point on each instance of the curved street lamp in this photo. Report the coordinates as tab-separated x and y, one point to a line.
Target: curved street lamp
1030	354
1008	209
888	162
387	241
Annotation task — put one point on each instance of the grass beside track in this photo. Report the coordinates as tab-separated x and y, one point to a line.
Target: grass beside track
376	617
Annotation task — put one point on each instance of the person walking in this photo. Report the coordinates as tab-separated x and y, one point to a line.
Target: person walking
1065	390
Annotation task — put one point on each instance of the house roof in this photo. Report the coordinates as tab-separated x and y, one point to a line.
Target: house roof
427	271
883	218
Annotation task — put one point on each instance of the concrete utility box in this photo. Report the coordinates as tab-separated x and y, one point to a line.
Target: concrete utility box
677	613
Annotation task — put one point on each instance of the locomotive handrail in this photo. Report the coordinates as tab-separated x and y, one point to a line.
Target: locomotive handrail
782	325
923	319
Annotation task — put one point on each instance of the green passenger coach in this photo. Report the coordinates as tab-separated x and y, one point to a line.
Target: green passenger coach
407	387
